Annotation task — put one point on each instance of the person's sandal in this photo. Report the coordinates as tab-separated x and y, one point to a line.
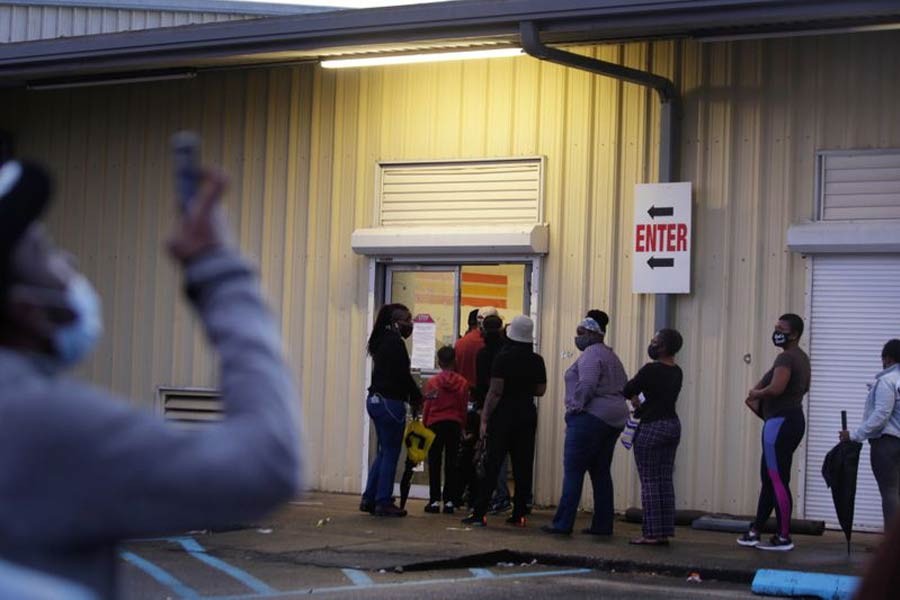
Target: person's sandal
642	541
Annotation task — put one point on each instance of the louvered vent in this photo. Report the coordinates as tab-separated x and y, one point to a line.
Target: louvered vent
190	408
506	191
859	185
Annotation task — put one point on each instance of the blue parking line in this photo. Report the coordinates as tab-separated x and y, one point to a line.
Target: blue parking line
193	547
358	578
400	584
160	575
481	573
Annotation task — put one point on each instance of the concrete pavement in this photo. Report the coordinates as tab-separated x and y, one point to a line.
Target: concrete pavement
308	541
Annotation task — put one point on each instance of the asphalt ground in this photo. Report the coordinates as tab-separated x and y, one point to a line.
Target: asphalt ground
323	545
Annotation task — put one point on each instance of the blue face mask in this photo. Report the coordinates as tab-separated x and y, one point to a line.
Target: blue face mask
75	340
582	342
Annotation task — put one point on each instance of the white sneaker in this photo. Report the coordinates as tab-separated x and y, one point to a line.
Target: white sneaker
433	507
449	509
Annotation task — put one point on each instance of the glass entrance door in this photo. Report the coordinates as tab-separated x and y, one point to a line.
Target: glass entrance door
447	293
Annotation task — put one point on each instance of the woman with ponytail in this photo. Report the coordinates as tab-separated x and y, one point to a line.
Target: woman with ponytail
391	389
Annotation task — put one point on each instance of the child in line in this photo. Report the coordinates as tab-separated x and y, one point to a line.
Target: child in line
446	402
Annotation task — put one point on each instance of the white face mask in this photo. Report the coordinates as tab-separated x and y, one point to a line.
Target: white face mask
76	339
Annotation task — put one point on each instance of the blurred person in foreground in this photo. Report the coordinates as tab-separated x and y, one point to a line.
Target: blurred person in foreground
80	470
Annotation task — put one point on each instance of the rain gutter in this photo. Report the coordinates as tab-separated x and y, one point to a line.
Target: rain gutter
668	97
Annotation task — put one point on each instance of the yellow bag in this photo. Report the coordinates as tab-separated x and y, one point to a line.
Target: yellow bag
418	439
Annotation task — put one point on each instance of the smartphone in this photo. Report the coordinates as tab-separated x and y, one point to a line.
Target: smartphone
186	167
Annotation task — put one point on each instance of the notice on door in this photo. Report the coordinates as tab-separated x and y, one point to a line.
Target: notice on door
661	239
424	336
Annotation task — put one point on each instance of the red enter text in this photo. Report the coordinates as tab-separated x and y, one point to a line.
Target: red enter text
660	237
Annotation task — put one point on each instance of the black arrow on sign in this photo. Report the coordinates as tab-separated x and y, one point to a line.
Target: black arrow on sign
663	211
660	262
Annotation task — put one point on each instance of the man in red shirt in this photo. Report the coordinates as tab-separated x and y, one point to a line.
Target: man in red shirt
467	348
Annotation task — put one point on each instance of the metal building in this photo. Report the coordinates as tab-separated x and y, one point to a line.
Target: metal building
354	186
30	20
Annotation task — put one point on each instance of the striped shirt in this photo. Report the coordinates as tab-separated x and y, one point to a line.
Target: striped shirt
594	384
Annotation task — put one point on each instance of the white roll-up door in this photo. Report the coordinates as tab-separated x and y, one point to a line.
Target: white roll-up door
855	309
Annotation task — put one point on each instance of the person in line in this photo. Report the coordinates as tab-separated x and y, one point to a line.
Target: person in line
80	469
778	400
446	404
491	329
509	418
595	416
467	348
494	339
881	426
391	389
657	437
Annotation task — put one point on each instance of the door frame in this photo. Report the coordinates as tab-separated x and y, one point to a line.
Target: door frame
377	288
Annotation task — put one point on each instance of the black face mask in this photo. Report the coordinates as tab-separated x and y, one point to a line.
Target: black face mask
404	329
653	351
779	338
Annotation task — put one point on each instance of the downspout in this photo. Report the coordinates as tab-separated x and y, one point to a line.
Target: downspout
668	97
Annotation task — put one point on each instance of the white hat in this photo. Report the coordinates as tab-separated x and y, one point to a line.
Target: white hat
521	329
487	311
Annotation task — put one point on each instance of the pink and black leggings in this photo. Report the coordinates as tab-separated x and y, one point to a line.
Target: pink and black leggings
780	437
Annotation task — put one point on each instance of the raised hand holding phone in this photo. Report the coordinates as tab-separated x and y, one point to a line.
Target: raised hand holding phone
186	168
202	226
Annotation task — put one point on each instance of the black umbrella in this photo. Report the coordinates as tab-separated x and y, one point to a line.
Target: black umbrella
406	482
839	470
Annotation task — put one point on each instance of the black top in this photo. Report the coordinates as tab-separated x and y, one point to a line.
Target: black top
522	370
797	362
660	384
483	363
390	372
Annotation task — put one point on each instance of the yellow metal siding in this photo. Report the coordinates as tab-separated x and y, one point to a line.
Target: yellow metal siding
301	145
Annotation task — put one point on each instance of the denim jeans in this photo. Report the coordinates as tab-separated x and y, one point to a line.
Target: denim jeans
885	457
589	449
389	417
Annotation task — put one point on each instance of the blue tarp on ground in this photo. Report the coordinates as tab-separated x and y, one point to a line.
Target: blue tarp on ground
773	582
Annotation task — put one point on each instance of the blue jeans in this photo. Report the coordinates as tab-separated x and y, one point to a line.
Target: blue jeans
588	448
389	417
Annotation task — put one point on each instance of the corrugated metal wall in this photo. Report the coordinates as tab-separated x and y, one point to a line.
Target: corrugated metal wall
301	144
30	23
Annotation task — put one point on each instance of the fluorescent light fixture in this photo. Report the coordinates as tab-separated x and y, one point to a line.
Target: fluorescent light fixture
405	59
60	84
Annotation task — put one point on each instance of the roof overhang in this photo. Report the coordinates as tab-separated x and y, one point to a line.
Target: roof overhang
482	240
308	37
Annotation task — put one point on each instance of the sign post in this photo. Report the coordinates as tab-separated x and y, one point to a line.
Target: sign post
661	240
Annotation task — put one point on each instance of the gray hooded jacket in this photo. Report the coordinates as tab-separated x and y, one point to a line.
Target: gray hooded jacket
80	470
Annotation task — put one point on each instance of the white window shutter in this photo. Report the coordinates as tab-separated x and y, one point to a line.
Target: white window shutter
859	184
496	191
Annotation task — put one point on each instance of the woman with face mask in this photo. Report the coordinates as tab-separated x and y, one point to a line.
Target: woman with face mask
653	393
392	387
777	398
595	416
